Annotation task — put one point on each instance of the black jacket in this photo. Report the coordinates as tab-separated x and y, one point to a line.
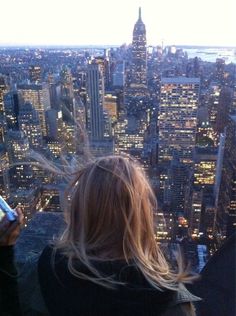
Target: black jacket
65	294
9	298
48	290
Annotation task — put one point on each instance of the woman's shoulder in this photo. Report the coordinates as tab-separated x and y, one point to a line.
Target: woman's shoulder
127	273
29	288
47	251
48	259
183	295
182	303
46	255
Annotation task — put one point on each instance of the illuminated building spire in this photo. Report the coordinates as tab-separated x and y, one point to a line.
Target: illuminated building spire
139	54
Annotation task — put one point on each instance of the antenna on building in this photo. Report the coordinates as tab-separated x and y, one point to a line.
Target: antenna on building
139	14
162	44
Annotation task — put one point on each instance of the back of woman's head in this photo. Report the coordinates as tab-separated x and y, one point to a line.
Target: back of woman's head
110	216
111	209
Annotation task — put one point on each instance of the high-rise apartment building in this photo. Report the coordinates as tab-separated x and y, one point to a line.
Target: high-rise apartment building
177	118
35	74
3	90
11	105
95	101
129	136
205	166
18	146
4	177
29	124
233	105
119	75
66	83
213	104
195	215
179	182
226	202
21	175
38	95
223	110
54	124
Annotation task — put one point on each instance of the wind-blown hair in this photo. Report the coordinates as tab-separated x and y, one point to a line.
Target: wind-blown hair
110	216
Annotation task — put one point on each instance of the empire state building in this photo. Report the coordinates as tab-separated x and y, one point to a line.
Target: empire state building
139	55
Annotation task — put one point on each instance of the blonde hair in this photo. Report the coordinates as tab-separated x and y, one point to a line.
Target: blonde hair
110	216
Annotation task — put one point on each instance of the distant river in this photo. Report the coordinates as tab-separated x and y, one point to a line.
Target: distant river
211	54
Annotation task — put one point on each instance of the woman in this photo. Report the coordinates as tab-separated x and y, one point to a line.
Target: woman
107	261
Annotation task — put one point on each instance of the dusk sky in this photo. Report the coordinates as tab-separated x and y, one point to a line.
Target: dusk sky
110	22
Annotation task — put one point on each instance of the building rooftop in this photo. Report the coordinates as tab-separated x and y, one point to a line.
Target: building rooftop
41	230
179	80
233	118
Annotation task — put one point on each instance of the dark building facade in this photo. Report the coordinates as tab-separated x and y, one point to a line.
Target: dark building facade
226	208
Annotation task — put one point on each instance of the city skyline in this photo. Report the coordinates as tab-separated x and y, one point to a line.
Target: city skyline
172	109
106	22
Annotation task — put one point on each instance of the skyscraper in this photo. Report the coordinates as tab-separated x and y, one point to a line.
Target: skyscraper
95	101
17	146
119	74
21	175
177	118
66	83
3	90
177	122
29	124
213	103
195	213
139	55
205	166
54	124
38	95
3	125
35	74
4	177
11	105
179	181
226	203
223	109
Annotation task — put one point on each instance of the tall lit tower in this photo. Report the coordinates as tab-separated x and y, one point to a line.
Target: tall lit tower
139	54
21	175
177	118
29	124
3	90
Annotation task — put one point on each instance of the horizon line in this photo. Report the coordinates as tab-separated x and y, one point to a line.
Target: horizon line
109	45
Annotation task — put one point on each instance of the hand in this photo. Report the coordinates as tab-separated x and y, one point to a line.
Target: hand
9	231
